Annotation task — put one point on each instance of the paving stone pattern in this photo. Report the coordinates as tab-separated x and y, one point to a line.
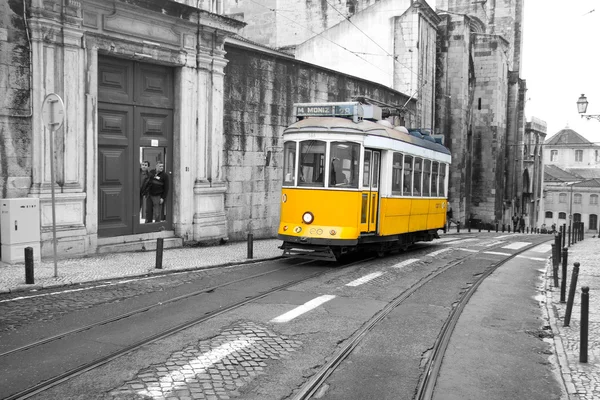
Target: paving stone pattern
583	379
212	369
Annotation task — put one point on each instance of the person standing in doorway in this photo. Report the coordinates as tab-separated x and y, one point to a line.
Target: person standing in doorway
159	188
144	184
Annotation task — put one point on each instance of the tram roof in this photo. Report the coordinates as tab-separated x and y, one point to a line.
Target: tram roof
363	127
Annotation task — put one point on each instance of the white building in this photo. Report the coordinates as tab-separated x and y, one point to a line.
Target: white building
571	181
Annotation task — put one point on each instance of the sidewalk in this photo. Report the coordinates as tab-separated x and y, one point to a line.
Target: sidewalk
121	265
582	380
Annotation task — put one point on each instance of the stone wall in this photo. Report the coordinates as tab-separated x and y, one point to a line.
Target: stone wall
285	23
15	108
260	89
489	125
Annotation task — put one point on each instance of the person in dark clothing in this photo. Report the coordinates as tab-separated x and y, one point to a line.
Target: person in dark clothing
515	222
522	224
159	188
144	187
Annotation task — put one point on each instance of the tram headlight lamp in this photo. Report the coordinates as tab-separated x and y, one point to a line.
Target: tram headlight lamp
308	217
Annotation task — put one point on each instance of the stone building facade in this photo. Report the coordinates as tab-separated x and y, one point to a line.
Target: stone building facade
151	81
141	81
480	102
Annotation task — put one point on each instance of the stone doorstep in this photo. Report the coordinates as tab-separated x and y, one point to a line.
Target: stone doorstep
139	245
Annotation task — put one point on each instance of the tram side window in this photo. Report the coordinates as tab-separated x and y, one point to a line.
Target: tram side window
344	164
442	180
312	168
418	172
426	177
434	178
407	181
289	164
397	174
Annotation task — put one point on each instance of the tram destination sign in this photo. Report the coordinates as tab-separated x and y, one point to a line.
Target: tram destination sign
327	110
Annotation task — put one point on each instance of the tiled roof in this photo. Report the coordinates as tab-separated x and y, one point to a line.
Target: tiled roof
552	173
587	173
567	137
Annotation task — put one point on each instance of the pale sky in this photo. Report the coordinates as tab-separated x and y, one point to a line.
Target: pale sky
561	60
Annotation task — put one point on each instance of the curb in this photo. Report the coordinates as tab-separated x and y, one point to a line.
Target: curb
559	349
34	287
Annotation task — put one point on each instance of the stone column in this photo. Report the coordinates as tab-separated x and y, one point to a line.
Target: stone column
210	221
185	144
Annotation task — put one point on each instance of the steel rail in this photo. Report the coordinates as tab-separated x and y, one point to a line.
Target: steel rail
432	369
49	383
133	312
310	388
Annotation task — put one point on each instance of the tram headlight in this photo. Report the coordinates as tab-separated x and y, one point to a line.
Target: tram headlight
308	217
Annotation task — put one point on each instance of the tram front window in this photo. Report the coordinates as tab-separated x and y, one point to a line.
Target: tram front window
289	164
343	167
312	163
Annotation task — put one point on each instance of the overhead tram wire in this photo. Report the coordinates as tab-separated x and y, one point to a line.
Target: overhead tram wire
394	58
324	37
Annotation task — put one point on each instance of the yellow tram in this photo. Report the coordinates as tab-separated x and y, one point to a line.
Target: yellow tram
352	181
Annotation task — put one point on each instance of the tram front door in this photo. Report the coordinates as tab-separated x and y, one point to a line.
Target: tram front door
370	192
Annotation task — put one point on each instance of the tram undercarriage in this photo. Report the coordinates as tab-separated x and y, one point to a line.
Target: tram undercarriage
316	250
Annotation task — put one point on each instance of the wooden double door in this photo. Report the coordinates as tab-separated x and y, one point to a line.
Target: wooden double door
135	125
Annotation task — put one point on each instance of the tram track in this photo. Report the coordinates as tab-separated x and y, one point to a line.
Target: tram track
427	383
88	366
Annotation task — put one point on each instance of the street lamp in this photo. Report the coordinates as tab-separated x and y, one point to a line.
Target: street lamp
582	104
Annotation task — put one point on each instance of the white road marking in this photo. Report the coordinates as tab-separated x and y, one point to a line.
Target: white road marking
491	243
532	258
450	239
198	365
496	253
405	263
466	241
365	279
516	245
306	307
469	250
437	253
542	248
512	235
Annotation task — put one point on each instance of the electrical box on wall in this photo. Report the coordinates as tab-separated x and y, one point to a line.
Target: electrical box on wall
19	228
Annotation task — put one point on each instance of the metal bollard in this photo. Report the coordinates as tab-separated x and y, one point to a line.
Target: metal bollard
557	242
572	289
508	228
503	226
583	331
554	265
159	253
563	282
569	233
496	227
250	246
582	230
479	226
469	226
29	265
458	227
564	234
